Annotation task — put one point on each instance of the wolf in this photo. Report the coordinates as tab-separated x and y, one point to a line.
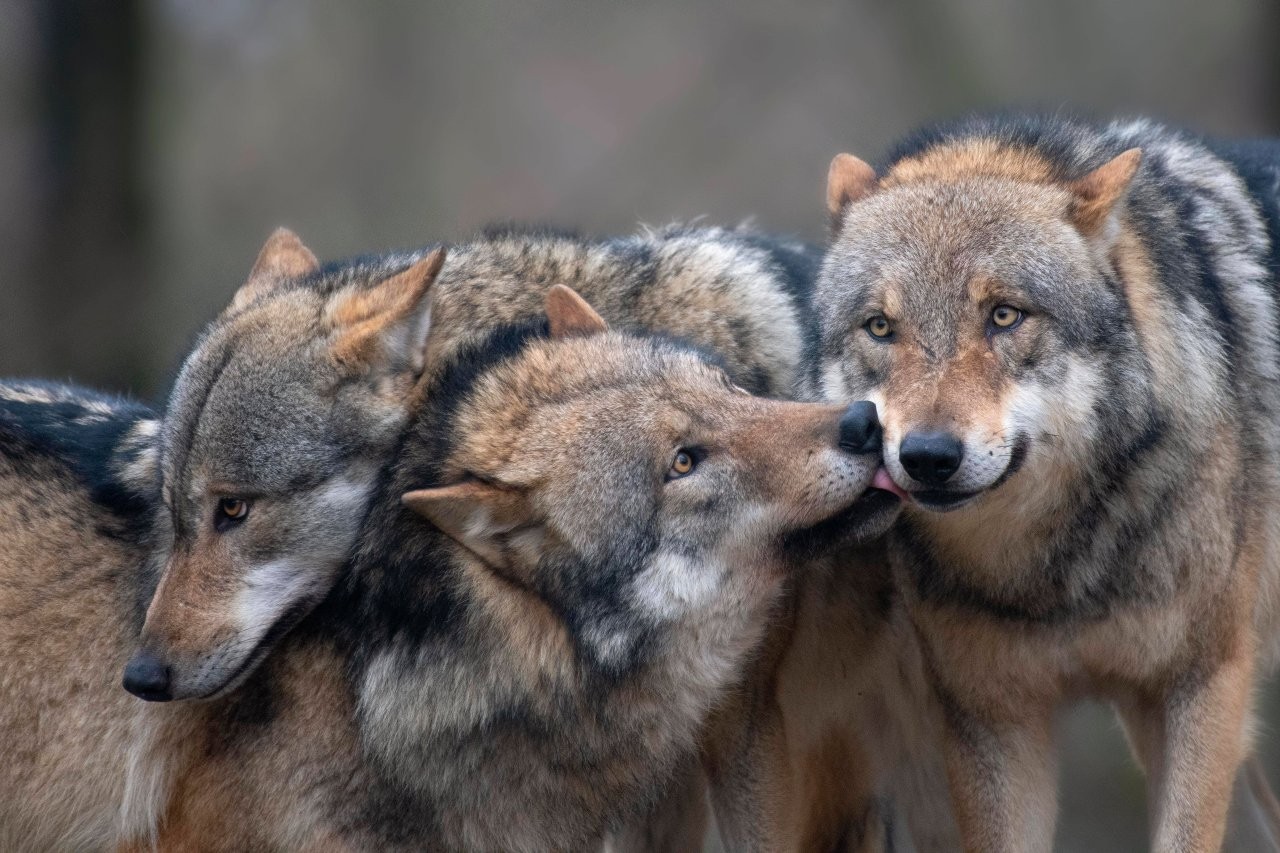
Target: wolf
288	404
570	554
1069	329
77	531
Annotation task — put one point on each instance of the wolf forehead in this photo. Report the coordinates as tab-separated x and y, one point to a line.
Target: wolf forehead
641	371
249	399
933	237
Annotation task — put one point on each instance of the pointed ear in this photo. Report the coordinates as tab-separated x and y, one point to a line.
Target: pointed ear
390	319
848	180
474	514
569	314
281	259
1097	193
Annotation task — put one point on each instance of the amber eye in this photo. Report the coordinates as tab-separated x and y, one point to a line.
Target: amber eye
233	509
1006	317
878	327
683	464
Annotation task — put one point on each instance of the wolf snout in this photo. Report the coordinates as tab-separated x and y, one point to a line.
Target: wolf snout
931	458
860	428
148	677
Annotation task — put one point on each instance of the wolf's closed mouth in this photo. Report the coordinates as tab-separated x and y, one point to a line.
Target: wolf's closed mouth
942	500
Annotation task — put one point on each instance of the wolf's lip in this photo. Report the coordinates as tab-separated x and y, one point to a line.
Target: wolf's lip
885	483
942	501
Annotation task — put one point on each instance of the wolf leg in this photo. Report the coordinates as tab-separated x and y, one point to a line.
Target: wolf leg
1253	822
1204	740
1003	779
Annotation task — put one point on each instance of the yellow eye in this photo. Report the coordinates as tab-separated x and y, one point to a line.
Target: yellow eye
1005	317
878	327
682	464
234	509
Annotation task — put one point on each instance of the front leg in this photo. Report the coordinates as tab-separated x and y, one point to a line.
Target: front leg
1205	738
1003	776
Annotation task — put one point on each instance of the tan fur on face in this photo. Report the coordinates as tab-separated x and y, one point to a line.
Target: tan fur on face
189	614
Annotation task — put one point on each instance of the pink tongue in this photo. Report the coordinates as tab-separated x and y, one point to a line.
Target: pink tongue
882	480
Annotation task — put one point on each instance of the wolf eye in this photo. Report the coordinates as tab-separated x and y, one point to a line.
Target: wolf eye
1005	317
231	511
682	465
879	328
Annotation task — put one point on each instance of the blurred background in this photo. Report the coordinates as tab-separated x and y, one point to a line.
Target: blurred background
147	148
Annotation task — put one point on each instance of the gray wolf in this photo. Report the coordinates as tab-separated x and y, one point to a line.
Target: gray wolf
1069	330
609	524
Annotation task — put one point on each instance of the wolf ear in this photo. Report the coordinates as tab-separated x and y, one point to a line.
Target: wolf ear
569	314
390	318
476	515
281	259
1096	194
848	180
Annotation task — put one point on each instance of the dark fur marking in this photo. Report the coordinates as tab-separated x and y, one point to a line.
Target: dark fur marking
86	442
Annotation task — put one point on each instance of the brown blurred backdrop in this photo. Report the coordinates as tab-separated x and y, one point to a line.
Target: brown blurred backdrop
148	148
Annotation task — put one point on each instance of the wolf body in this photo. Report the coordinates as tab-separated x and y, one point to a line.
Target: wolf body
80	477
1069	330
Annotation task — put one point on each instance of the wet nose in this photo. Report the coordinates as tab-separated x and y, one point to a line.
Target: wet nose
147	677
931	457
860	428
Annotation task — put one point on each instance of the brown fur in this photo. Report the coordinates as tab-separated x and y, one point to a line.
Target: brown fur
60	601
828	744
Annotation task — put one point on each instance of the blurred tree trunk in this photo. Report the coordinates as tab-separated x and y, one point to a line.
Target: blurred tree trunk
89	258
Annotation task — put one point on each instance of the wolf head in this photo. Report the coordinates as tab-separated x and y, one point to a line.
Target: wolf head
274	433
595	454
972	292
622	516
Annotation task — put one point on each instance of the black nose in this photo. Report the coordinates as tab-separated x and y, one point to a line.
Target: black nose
860	428
147	678
931	457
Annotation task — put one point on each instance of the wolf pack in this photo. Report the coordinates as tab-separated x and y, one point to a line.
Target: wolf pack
540	542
